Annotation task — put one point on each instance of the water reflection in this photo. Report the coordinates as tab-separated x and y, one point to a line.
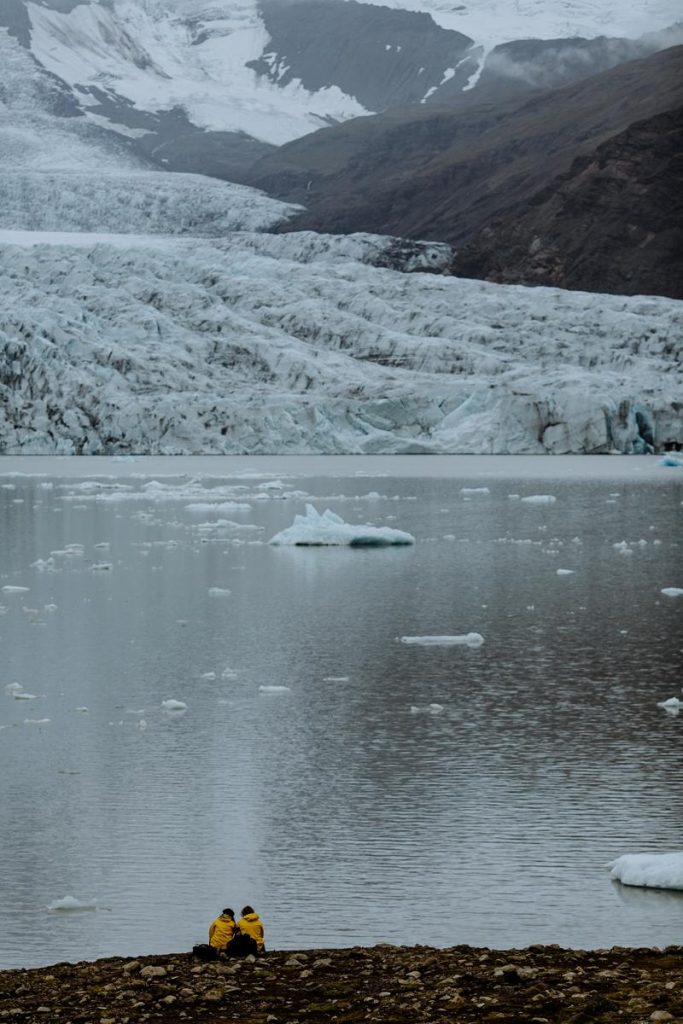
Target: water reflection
330	803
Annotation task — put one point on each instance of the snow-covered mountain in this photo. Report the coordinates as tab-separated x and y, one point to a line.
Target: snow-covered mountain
161	72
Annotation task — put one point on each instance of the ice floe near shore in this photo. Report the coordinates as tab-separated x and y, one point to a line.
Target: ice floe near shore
315	529
650	870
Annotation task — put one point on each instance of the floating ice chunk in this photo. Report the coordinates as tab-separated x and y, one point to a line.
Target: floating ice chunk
672	591
36	721
430	709
70	904
335	679
669	460
22	695
173	705
8	589
44	564
218	506
540	499
468	639
274	689
565	572
208	675
651	870
316	530
101	566
219	592
141	725
229	673
51	608
13	688
474	490
672	702
83	710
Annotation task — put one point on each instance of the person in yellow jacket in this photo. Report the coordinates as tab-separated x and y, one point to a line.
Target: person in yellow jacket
250	924
221	931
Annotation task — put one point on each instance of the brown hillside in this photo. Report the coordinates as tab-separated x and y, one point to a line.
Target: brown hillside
613	223
446	172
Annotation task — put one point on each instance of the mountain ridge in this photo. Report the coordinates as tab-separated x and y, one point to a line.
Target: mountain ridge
446	173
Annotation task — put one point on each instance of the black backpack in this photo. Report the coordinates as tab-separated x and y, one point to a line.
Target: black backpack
242	945
205	952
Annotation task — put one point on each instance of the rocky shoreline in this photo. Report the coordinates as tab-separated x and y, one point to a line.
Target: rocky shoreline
537	985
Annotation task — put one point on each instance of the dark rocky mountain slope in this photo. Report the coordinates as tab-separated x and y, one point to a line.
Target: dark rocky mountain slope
447	172
382	57
613	223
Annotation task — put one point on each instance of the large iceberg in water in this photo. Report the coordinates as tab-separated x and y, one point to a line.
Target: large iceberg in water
651	870
314	529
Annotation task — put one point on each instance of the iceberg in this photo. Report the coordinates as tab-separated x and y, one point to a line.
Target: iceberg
650	870
466	639
430	709
70	903
314	529
273	689
672	591
173	705
672	703
540	499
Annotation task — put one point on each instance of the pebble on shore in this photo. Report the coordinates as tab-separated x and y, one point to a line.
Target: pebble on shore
391	984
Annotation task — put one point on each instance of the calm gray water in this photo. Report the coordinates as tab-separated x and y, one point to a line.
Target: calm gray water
340	814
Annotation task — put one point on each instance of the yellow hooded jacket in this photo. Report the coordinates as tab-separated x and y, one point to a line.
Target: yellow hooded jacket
251	924
221	931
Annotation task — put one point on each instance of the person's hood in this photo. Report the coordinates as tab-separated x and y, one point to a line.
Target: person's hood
251	917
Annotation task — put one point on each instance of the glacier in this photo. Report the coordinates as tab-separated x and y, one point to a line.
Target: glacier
150	312
257	343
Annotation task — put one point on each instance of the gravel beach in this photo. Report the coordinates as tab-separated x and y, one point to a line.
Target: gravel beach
415	985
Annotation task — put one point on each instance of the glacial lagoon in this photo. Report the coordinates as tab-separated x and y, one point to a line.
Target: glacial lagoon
353	788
